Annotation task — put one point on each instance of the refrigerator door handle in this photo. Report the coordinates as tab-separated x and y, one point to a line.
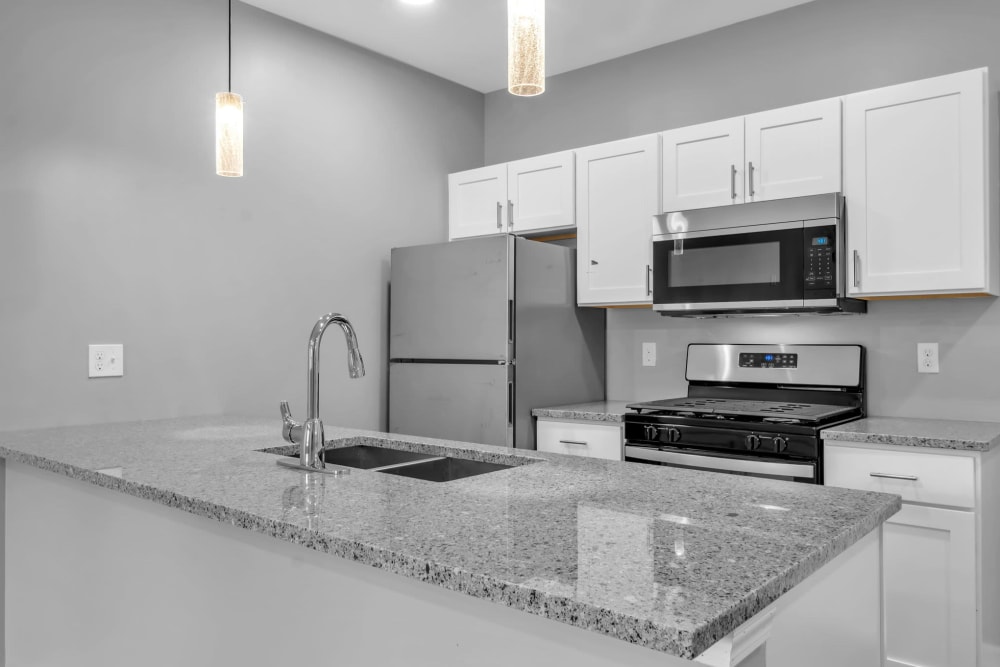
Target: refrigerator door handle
510	320
510	403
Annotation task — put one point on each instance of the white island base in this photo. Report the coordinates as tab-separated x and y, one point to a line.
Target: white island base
97	577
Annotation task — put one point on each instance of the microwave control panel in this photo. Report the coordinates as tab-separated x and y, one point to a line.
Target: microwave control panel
820	255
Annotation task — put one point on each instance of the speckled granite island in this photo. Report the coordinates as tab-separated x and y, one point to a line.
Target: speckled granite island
615	563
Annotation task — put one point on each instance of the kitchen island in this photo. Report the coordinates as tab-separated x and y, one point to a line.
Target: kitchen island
615	563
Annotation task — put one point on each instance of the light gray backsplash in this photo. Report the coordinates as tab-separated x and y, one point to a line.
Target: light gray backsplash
114	227
822	49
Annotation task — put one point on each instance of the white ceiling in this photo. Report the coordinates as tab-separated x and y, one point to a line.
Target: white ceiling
466	40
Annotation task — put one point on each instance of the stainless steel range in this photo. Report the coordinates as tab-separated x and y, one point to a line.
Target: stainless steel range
752	410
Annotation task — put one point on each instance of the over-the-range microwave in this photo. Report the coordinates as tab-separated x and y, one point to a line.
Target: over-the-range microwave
784	256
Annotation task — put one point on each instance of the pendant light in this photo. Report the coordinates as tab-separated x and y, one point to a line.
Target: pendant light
229	122
526	47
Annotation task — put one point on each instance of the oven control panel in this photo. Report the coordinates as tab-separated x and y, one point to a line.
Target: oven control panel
768	360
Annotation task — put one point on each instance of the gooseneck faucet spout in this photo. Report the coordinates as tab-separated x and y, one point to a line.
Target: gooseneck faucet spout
309	434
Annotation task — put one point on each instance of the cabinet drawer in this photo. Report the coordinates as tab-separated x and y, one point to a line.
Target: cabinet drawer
936	479
600	441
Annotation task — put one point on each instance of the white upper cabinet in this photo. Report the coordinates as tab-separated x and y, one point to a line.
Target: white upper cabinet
789	152
477	202
793	152
526	196
703	165
617	195
540	193
916	175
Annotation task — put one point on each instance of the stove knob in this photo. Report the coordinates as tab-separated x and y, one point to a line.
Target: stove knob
651	432
780	444
673	435
753	442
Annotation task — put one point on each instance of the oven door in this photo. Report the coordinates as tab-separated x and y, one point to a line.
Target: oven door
748	268
751	466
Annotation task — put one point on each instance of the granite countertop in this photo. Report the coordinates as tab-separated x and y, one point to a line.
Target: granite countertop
930	433
665	558
598	411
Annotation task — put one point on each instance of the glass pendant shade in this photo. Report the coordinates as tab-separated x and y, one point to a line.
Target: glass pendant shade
526	47
228	134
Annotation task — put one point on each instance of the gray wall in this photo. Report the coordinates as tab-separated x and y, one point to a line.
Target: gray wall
114	227
821	49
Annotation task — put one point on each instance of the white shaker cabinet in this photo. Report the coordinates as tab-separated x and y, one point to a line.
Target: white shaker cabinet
477	202
703	165
794	151
937	579
916	186
790	152
526	196
540	193
617	195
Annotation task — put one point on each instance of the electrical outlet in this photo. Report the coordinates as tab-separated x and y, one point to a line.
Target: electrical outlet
649	354
927	358
107	360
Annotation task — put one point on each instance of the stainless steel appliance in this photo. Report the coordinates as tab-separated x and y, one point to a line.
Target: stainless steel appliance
784	256
483	330
752	410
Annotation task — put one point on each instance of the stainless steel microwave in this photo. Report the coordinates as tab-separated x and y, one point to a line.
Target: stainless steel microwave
784	256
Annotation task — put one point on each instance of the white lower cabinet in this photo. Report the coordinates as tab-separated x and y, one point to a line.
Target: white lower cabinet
932	582
929	575
599	440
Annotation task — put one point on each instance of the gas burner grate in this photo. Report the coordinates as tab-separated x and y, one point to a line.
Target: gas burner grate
725	408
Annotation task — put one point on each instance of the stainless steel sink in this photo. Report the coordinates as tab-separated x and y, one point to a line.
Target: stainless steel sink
367	457
402	462
445	469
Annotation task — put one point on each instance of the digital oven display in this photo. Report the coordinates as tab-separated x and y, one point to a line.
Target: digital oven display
768	360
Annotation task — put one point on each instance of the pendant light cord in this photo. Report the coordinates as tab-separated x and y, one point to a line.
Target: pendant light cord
230	39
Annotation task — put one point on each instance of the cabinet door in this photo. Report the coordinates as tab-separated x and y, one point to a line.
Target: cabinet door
617	195
793	152
540	192
703	165
915	184
477	202
929	575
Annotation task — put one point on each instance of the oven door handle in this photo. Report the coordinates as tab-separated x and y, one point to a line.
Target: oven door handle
670	455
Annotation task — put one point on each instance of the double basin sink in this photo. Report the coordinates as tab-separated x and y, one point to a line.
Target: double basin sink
405	463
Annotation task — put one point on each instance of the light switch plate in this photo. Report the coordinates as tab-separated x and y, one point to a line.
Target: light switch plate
106	360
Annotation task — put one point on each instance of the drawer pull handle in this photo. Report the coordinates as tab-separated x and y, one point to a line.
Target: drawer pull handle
889	475
574	442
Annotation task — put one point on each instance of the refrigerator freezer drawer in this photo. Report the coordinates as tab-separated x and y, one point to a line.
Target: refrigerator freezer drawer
468	402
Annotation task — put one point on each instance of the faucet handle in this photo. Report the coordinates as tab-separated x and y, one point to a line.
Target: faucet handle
289	427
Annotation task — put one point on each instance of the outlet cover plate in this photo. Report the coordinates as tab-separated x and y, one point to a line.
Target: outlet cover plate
106	360
927	358
649	354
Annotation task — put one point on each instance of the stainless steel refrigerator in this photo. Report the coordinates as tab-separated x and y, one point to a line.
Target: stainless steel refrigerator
483	330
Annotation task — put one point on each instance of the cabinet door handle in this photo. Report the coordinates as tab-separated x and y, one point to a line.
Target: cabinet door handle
857	269
750	172
573	442
510	215
889	475
499	212
732	181
649	273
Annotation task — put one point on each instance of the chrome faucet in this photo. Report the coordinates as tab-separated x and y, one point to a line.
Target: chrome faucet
309	434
